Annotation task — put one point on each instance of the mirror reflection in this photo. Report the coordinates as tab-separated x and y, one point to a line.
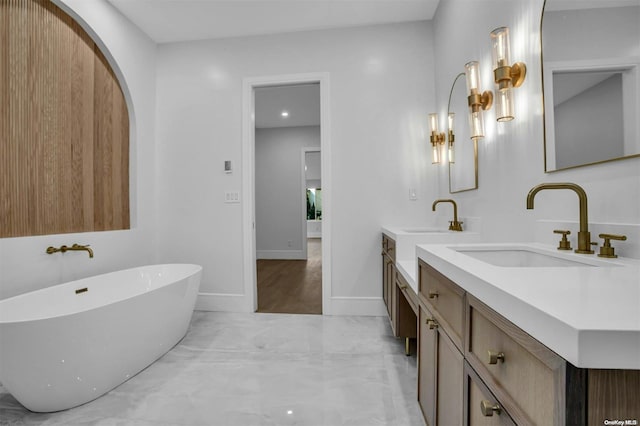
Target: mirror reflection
591	81
463	173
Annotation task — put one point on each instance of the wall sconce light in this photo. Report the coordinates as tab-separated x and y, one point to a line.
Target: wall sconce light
477	101
506	75
436	138
451	137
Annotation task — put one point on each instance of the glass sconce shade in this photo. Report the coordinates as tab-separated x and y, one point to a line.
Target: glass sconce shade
436	138
433	123
501	50
477	101
506	75
504	105
452	137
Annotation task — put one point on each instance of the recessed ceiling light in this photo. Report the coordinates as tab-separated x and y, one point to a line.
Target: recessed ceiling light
285	113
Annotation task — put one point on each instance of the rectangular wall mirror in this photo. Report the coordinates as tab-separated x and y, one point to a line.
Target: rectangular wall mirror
591	81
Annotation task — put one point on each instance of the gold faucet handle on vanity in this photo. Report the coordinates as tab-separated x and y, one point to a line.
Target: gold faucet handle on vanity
563	244
455	225
606	250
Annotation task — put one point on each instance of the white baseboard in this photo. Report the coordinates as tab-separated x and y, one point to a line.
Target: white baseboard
221	302
364	306
354	306
280	254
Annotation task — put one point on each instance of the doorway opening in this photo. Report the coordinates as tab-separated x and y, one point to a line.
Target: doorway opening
285	256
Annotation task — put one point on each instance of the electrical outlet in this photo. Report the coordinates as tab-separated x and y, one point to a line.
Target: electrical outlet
232	196
412	194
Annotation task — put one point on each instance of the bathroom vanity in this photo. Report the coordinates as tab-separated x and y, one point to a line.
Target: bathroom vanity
399	272
520	334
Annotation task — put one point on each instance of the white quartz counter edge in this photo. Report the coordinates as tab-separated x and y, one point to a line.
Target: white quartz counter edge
408	270
588	315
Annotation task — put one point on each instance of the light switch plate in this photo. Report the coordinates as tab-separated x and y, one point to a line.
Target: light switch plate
232	196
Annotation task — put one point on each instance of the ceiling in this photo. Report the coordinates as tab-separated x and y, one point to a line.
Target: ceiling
302	102
182	20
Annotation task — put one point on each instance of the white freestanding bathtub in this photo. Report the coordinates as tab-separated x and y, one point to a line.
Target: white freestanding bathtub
68	344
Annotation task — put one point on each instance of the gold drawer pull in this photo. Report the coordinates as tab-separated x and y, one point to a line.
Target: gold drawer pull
433	295
495	356
432	323
402	286
488	408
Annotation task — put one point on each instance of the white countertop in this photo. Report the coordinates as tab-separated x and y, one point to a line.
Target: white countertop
588	315
407	238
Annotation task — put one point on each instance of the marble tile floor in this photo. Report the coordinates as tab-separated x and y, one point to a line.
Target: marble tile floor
260	369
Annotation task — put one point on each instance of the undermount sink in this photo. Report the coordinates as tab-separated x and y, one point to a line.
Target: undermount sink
524	258
425	231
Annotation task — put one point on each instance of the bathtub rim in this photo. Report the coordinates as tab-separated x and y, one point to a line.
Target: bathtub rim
78	283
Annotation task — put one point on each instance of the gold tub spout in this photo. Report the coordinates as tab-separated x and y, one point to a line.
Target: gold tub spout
75	247
584	237
454	225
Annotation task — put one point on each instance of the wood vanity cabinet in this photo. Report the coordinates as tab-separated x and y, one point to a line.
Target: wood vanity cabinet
388	271
405	309
440	356
440	373
504	376
400	300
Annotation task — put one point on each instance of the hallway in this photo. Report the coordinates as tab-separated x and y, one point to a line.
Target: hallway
292	286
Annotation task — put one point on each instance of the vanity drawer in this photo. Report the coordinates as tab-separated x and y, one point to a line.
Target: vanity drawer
407	292
445	299
481	406
524	375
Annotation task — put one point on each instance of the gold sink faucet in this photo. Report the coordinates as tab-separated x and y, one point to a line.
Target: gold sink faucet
75	247
584	238
454	225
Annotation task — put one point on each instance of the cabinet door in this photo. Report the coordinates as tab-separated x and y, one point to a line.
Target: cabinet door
440	374
386	266
427	350
449	372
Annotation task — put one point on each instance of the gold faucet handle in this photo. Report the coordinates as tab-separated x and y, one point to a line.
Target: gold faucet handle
606	250
563	244
455	225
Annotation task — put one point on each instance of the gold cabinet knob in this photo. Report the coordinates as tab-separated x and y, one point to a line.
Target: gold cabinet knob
402	286
488	408
495	356
607	250
432	323
433	295
563	244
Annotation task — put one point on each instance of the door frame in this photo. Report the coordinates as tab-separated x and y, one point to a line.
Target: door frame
248	183
303	162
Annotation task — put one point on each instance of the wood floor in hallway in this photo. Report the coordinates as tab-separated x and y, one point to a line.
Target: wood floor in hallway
292	286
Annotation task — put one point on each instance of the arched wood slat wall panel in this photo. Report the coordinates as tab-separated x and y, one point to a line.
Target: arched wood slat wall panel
64	127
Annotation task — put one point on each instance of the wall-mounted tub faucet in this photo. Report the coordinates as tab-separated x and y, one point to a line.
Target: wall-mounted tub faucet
75	247
584	237
454	225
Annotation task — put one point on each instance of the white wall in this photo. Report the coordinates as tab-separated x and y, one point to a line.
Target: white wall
381	88
24	265
511	154
280	202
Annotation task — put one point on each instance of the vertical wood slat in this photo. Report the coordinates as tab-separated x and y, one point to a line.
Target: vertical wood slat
64	130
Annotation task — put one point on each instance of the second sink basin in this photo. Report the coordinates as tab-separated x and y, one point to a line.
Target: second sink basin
523	257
